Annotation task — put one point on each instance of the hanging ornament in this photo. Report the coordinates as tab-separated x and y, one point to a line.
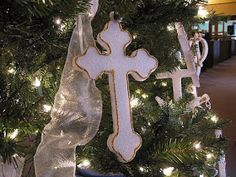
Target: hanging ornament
198	101
200	57
178	74
191	72
222	161
77	109
124	141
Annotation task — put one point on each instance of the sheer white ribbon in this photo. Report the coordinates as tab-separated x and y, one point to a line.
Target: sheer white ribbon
77	109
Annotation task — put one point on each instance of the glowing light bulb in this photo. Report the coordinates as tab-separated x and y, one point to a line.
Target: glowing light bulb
11	71
37	82
134	36
209	156
168	171
197	145
141	169
144	95
134	102
15	155
170	28
47	108
138	91
57	20
14	134
214	119
202	12
84	164
62	27
143	129
201	176
164	84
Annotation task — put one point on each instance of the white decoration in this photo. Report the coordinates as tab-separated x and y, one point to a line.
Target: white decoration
188	54
12	170
176	77
198	101
76	112
124	142
222	162
200	57
179	73
192	70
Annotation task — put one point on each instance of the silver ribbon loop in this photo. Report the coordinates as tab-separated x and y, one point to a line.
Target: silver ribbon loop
77	109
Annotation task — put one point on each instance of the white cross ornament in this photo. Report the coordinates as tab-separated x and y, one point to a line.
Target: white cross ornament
191	70
124	141
179	73
176	77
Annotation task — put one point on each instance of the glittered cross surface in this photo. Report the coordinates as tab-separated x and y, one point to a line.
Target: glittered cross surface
124	141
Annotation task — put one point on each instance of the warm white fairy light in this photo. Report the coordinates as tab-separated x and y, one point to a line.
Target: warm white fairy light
214	119
201	176
57	20
202	12
209	156
84	164
191	89
37	82
14	134
62	27
138	91
141	169
144	95
47	108
189	1
168	171
134	102
143	129
164	84
11	71
170	28
197	145
134	36
182	61
15	155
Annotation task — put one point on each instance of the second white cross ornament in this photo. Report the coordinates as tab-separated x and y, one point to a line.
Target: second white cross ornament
124	141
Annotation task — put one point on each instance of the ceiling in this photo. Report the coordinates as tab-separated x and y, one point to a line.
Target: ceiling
222	7
220	1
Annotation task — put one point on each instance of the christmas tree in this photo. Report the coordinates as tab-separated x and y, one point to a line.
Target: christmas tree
177	141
